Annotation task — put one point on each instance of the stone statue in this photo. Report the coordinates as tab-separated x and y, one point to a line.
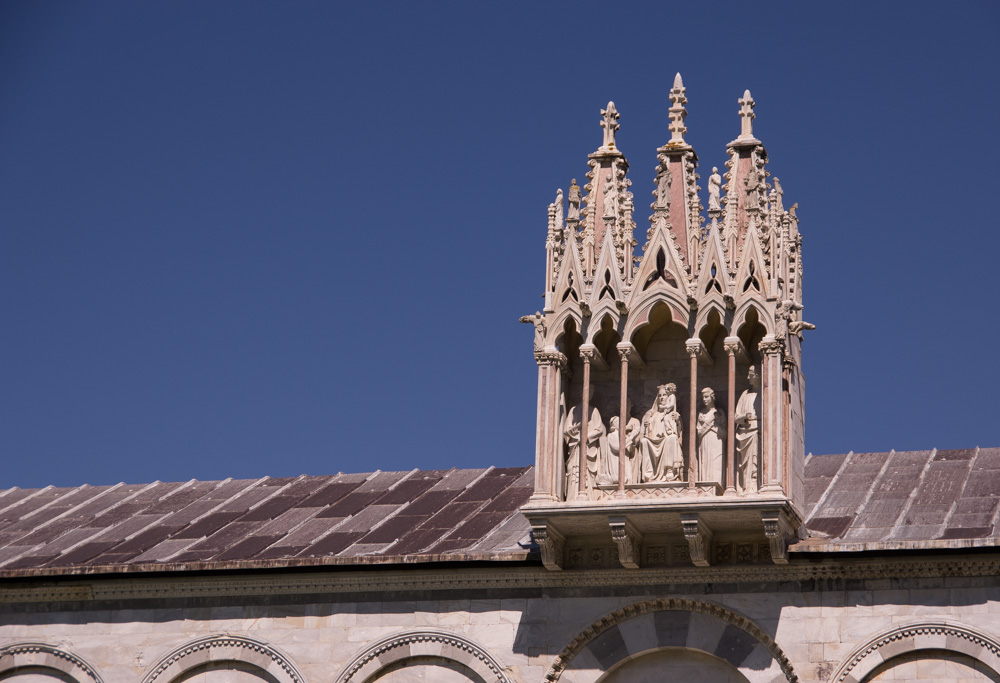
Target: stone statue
610	210
574	202
559	213
782	317
663	189
747	442
711	438
538	320
661	437
796	327
714	187
596	443
588	251
752	182
633	463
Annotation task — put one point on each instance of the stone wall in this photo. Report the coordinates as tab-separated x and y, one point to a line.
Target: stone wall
522	624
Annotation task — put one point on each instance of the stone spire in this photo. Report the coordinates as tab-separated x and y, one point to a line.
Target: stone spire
677	112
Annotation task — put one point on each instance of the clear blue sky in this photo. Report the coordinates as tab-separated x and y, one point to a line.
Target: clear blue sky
249	238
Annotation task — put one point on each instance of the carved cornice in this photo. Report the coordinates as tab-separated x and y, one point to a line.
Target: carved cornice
563	659
21	655
437	643
173	664
932	632
498	577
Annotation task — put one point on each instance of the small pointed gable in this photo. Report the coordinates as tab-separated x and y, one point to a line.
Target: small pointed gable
661	265
751	278
607	276
569	284
713	276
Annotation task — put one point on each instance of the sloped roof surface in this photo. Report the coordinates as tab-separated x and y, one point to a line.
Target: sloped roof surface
858	501
863	501
344	519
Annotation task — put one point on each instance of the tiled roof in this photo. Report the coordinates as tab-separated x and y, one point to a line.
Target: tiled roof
854	502
417	516
904	499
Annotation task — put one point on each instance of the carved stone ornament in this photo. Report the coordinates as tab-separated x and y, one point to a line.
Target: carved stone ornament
254	652
699	538
538	320
769	345
574	202
550	542
16	657
778	531
628	539
628	353
609	122
551	358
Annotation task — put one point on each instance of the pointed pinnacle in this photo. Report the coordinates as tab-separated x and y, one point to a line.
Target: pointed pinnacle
746	115
678	83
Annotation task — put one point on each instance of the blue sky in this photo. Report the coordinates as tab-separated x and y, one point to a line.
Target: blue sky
241	239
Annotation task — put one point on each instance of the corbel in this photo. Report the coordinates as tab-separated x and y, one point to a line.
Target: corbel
628	538
593	356
550	541
696	347
629	353
699	538
734	345
778	531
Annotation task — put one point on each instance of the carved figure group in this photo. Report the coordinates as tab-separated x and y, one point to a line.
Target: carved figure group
652	446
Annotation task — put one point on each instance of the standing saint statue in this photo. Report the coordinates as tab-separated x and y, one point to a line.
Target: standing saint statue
662	459
538	320
574	202
610	197
752	182
711	438
633	463
595	444
714	187
663	189
747	442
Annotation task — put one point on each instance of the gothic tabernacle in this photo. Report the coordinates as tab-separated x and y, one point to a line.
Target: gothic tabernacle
671	375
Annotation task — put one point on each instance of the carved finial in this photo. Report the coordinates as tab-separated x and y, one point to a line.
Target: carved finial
677	111
746	116
610	124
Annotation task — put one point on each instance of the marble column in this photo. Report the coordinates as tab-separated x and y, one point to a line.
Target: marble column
771	428
548	450
695	349
734	348
629	356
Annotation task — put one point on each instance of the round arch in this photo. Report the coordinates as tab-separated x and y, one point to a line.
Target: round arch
937	635
651	625
422	645
41	656
254	654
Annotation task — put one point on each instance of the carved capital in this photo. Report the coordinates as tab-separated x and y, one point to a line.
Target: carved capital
628	539
627	352
699	538
769	345
696	349
551	358
590	354
734	347
778	531
550	542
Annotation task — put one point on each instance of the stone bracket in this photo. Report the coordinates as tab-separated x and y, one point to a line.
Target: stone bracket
699	538
628	538
778	531
696	347
629	353
550	541
593	355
